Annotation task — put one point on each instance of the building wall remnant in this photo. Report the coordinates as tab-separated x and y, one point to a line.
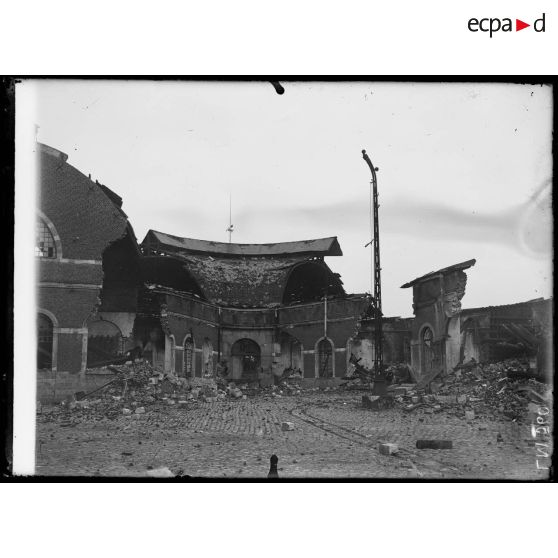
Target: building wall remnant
257	309
445	335
78	223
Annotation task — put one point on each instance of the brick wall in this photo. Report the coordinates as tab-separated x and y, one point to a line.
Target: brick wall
70	306
53	387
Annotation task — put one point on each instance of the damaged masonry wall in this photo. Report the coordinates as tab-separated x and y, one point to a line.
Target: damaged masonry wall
192	305
197	334
444	335
80	219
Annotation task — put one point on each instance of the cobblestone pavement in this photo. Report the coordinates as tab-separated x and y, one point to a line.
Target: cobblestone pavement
235	439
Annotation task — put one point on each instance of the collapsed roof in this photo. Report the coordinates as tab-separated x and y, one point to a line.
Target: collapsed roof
444	271
249	275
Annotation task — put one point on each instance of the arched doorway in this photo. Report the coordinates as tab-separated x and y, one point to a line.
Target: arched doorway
104	342
246	360
188	366
207	358
45	336
427	350
324	359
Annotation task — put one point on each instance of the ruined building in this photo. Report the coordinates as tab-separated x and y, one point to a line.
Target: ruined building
184	304
87	260
445	335
188	305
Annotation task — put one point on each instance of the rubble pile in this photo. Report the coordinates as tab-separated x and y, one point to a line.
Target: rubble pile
400	372
136	388
475	389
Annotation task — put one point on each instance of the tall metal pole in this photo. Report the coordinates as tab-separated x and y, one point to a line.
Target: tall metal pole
379	378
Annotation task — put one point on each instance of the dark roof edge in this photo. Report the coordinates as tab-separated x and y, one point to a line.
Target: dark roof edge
328	246
456	267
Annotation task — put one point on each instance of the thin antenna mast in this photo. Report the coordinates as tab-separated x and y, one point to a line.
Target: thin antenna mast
230	230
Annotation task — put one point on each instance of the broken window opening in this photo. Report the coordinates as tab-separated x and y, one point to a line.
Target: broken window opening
45	246
207	358
309	282
325	359
104	343
188	357
427	349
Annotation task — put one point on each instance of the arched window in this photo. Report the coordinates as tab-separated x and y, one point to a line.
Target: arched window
427	349
189	357
44	342
427	336
325	359
45	246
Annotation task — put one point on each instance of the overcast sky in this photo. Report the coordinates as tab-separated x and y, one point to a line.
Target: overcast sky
465	170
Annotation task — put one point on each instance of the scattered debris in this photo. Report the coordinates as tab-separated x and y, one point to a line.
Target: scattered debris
473	389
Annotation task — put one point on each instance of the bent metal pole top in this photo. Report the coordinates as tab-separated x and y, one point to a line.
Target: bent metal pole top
378	353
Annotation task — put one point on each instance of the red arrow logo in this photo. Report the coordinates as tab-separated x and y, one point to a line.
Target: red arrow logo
519	25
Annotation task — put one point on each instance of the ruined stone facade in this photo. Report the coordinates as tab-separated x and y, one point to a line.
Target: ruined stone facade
257	308
444	335
82	239
186	304
191	305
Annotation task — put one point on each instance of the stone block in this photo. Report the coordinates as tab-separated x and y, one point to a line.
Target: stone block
140	410
434	444
285	426
126	412
387	449
469	415
462	399
415	399
371	402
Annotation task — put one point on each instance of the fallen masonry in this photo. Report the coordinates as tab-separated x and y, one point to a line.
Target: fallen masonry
138	388
388	449
471	392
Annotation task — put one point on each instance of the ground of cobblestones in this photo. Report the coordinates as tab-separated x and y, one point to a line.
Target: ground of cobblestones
333	436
